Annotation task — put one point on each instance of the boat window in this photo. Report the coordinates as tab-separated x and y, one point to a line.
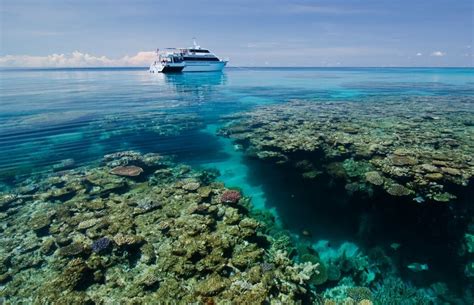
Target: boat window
198	51
190	58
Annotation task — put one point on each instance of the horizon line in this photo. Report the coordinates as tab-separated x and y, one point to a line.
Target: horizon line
237	67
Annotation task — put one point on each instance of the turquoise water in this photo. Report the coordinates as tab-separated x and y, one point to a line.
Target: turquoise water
52	120
81	114
51	115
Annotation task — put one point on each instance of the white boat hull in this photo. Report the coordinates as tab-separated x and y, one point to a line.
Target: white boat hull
204	66
166	68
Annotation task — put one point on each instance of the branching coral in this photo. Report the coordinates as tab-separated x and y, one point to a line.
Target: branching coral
304	271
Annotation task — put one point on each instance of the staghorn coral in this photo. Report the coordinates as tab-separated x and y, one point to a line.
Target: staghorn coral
300	273
304	271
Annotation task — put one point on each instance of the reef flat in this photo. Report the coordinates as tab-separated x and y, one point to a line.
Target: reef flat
421	147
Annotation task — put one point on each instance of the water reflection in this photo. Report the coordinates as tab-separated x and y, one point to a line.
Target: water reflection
198	86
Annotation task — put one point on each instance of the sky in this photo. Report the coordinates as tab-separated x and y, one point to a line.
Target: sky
95	33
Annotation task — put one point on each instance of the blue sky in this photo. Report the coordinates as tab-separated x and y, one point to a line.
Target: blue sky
249	33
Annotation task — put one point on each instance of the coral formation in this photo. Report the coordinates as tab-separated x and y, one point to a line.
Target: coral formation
101	245
170	237
127	171
230	196
418	147
416	152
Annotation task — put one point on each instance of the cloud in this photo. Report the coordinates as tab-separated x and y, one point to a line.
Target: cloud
438	53
143	58
75	59
419	54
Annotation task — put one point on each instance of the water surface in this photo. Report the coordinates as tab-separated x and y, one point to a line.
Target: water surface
51	115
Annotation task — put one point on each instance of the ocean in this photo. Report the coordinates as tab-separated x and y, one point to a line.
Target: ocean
336	162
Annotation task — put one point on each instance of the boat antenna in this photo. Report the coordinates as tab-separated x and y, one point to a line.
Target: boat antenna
195	43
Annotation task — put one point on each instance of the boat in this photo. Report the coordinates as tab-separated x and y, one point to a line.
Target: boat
194	59
168	62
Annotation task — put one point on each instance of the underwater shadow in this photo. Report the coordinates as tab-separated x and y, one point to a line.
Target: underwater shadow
326	211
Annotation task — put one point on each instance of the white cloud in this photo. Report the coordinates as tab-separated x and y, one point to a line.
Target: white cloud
438	53
419	54
76	59
143	58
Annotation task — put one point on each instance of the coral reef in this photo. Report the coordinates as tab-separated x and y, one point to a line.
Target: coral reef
140	228
419	146
416	152
98	235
